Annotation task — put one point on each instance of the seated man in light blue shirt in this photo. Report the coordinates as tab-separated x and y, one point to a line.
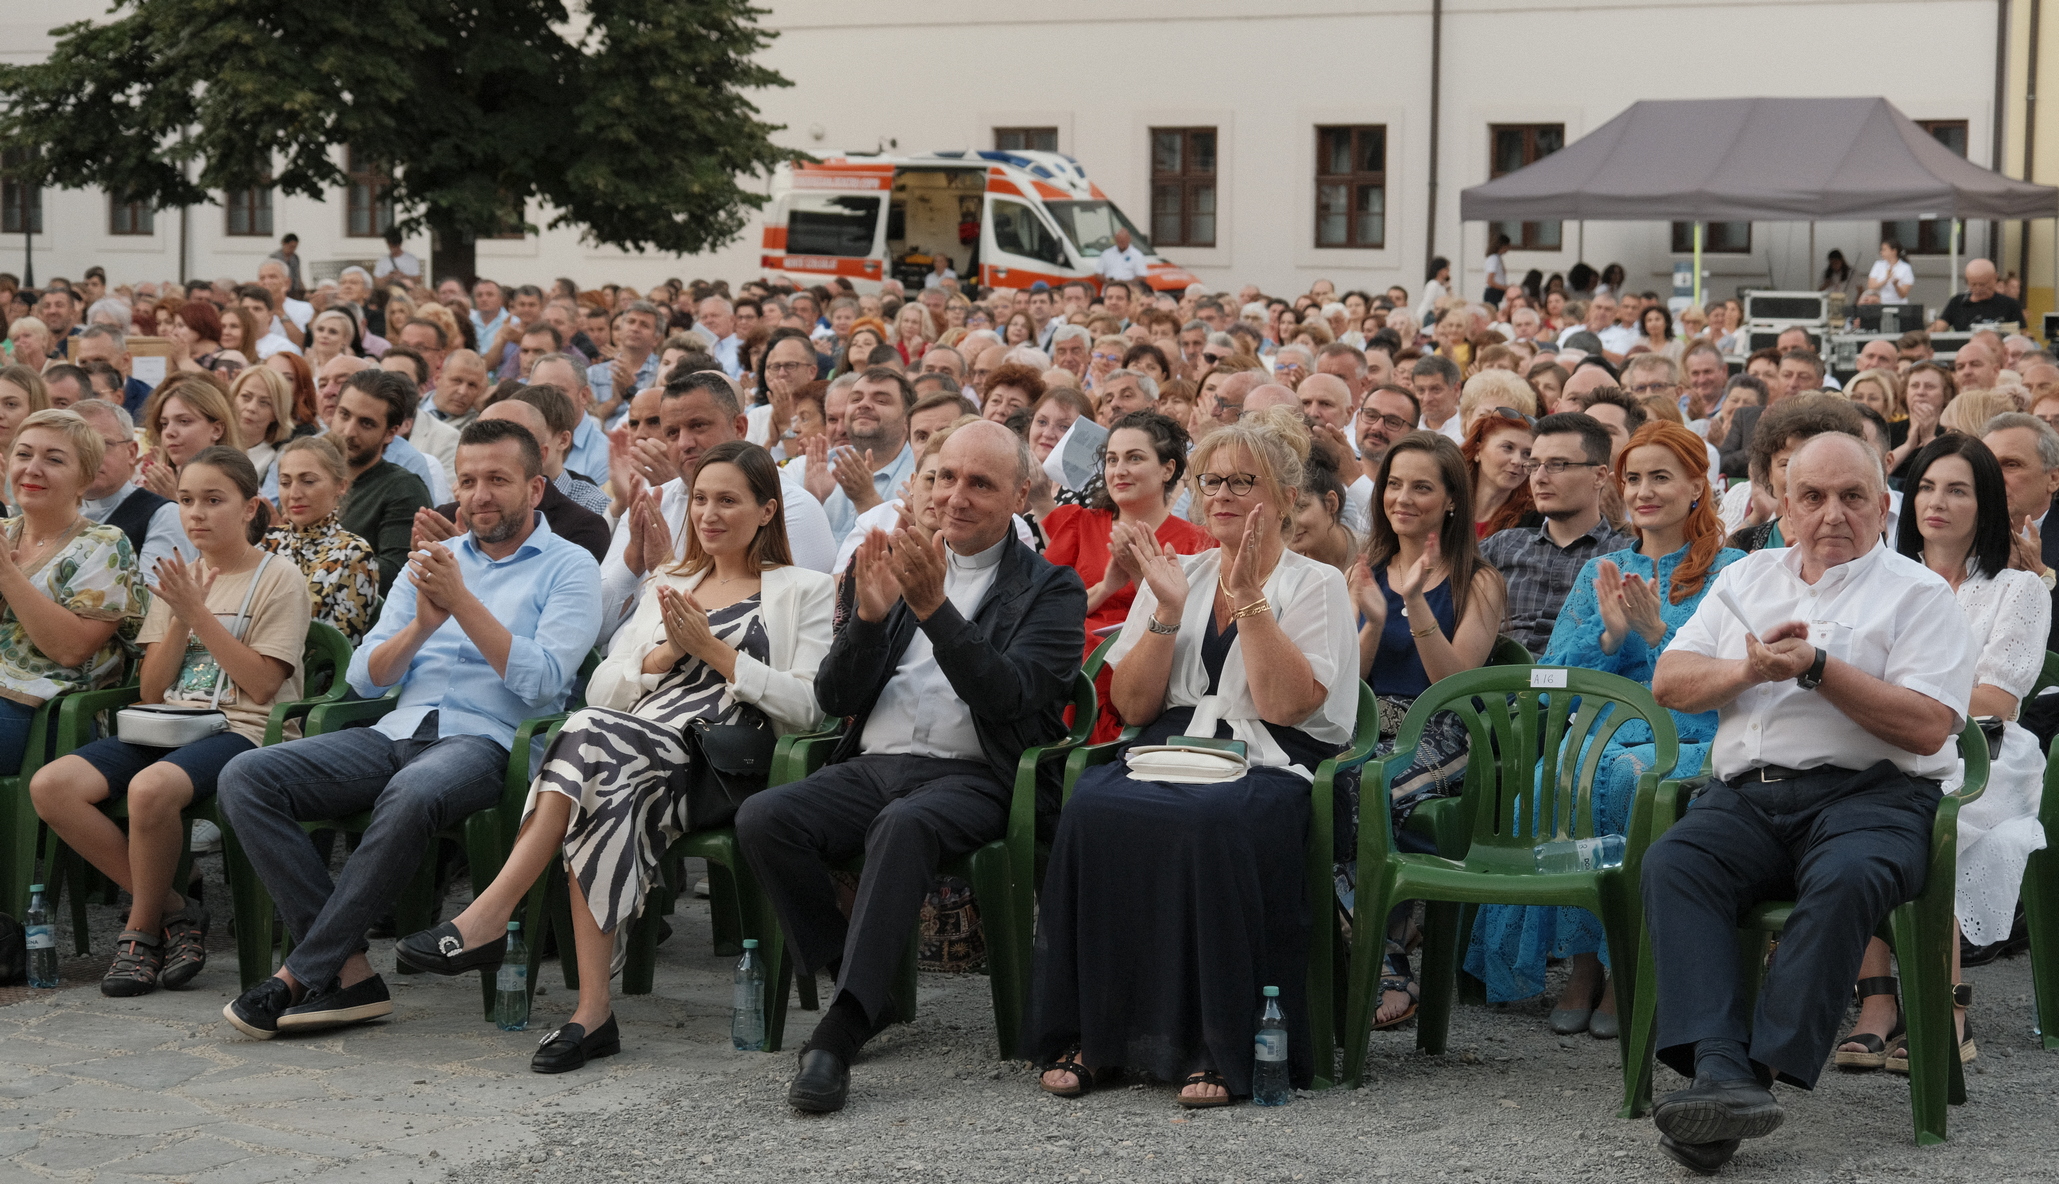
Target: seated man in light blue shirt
479	636
879	459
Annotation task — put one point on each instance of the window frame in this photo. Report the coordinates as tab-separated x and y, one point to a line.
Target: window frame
367	191
1528	236
1025	133
1933	235
1354	182
246	202
1683	239
1190	182
130	217
19	202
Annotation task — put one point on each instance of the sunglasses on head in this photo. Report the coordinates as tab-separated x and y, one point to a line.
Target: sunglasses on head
1512	413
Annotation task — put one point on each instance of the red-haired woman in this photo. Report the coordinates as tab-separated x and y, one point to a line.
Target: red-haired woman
1621	612
1496	449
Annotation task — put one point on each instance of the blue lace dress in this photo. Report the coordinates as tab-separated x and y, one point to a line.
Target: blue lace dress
1511	943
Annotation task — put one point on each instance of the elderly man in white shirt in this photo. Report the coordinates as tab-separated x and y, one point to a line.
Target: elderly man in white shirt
1835	728
1122	261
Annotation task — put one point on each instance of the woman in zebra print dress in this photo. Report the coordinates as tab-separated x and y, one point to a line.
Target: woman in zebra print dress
733	623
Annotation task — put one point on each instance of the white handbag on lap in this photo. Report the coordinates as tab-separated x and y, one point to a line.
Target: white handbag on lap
1191	760
158	725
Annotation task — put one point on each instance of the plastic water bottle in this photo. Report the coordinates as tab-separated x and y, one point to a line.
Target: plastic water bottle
511	984
42	942
1579	855
747	1005
1269	1055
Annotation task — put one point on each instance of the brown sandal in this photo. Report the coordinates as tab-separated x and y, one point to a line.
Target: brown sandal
185	945
137	962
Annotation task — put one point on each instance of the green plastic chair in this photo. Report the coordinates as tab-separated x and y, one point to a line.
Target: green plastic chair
1325	957
2041	890
1538	735
323	664
1442	820
1001	874
487	835
1920	931
21	831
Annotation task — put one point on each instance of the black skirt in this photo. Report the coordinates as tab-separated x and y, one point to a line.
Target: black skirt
1167	909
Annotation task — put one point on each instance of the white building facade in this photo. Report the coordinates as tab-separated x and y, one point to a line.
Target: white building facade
1270	144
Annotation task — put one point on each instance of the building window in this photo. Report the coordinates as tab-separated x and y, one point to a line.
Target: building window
1351	186
1930	236
368	209
1513	146
1183	186
21	206
250	212
1026	139
1718	238
511	223
130	217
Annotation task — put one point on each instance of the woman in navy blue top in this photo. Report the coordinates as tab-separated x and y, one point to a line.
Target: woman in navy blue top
1430	608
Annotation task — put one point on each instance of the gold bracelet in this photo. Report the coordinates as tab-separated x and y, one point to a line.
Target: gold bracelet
1261	605
1425	631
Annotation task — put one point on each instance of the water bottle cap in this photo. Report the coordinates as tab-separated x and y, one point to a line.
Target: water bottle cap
750	943
1272	992
514	926
35	887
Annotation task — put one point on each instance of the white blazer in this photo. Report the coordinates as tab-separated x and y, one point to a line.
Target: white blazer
797	607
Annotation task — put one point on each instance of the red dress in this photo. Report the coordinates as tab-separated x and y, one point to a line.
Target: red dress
1077	537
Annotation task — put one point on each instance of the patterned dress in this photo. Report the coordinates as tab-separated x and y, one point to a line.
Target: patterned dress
342	572
627	772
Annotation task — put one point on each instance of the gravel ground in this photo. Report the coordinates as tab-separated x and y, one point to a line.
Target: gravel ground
931	1101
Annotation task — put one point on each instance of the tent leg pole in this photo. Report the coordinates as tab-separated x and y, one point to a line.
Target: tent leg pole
1955	257
1809	272
1698	264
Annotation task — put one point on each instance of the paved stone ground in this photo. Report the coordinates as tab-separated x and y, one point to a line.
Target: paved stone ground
159	1088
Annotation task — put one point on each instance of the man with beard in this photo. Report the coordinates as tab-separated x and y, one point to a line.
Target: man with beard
485	632
879	458
1388	413
383	497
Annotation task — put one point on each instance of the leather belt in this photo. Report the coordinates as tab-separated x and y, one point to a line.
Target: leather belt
1783	773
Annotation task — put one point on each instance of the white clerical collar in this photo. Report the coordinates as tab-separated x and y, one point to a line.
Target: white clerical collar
984	559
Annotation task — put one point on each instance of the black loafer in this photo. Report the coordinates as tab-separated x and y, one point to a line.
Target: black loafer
821	1085
1716	1111
570	1046
440	949
1702	1157
333	1006
256	1012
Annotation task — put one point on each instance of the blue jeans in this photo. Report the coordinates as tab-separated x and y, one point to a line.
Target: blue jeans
414	788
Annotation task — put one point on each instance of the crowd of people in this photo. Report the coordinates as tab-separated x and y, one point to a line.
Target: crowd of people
922	514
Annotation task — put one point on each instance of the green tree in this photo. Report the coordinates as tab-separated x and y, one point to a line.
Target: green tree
625	118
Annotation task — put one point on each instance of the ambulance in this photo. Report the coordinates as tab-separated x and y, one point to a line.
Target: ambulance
1001	219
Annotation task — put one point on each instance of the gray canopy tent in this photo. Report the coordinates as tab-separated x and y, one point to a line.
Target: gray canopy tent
1742	160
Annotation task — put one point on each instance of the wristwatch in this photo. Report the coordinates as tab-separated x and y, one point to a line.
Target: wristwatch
1814	678
1152	624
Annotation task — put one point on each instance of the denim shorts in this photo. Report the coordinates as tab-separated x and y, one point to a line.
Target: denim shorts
119	761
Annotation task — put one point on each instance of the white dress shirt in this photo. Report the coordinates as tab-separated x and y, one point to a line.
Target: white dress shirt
1885	614
919	713
1118	264
438	441
1358	506
807	536
1617	339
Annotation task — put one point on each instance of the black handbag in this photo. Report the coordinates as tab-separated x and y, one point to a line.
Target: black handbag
726	764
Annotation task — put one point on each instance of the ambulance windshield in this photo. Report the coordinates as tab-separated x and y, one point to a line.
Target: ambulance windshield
1091	225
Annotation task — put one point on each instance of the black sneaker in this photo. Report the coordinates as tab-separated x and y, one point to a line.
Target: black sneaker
332	1006
256	1012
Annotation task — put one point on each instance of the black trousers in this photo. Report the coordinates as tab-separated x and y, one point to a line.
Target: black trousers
908	814
1846	847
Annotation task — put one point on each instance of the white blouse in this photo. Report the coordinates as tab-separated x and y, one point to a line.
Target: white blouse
1313	607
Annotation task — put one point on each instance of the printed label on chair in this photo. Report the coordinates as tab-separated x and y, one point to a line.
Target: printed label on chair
1547	676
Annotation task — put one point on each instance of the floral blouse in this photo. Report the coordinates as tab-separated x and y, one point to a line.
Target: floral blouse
342	572
93	575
